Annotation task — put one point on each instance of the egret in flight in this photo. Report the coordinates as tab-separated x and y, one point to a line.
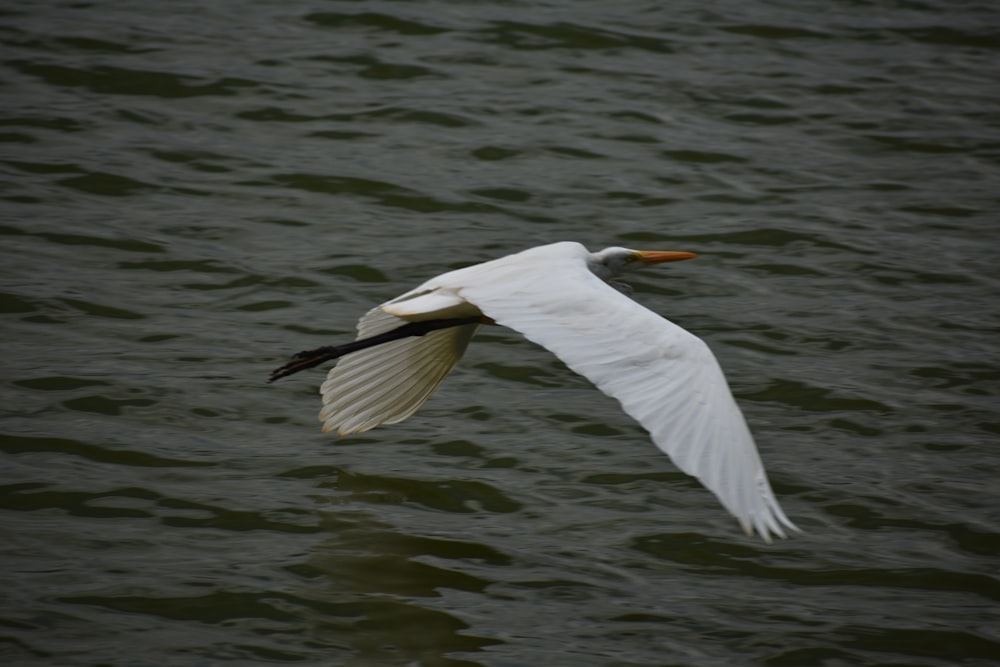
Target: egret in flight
559	296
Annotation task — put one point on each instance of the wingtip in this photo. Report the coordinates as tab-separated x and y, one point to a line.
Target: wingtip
772	525
780	531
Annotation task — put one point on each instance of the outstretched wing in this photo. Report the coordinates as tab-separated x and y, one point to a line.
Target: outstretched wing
388	383
664	377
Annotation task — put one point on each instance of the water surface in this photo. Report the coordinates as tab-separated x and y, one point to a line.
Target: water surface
194	191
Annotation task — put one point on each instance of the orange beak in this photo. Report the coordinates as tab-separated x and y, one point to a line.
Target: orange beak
648	257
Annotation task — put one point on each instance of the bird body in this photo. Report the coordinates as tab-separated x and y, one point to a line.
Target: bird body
559	297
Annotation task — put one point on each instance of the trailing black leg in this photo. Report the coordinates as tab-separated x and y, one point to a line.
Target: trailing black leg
310	358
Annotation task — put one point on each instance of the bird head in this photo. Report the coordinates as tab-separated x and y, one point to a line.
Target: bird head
611	262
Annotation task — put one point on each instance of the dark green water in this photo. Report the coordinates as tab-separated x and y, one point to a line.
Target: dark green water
193	191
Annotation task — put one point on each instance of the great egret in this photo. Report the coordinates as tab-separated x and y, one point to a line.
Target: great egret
558	296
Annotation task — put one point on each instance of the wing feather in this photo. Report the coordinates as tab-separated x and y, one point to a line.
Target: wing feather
388	383
664	377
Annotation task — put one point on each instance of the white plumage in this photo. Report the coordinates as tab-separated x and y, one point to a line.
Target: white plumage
558	296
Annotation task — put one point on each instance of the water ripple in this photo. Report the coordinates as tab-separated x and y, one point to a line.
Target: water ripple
190	197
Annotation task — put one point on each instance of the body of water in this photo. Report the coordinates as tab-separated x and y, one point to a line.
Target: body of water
193	191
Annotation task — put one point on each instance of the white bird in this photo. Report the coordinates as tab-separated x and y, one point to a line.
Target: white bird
558	296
